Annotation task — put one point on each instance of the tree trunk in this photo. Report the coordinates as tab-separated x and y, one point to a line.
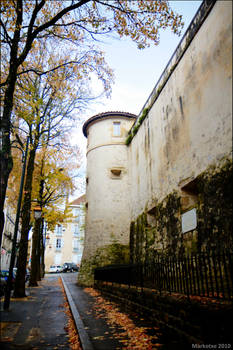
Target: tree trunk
19	291
42	251
6	162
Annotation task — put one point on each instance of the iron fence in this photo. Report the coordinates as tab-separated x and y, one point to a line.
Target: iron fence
206	274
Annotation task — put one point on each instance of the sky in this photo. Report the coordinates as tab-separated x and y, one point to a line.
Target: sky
136	73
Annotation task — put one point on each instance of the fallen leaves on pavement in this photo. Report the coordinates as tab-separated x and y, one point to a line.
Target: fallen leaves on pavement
8	330
132	337
70	328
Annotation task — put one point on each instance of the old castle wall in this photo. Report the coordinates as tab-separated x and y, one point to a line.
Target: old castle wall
180	157
107	190
175	192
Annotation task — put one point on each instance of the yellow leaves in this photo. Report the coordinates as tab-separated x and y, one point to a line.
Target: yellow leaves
70	327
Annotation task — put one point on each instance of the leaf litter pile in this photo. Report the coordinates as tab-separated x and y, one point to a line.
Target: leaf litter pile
132	337
70	327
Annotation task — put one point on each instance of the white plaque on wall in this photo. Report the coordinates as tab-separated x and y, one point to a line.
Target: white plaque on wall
189	220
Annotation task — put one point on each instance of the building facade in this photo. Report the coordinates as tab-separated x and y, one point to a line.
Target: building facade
177	154
65	243
7	238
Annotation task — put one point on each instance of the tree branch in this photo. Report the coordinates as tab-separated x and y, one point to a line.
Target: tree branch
39	73
32	35
8	38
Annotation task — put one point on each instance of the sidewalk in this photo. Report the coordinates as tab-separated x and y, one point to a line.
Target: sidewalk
36	322
39	321
109	326
94	331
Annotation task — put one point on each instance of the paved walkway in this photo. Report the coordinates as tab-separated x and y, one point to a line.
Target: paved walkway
36	322
98	335
114	330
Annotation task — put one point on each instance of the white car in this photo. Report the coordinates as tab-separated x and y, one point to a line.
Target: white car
59	268
53	269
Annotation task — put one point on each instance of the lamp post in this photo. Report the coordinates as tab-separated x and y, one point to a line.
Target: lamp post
43	247
35	247
37	213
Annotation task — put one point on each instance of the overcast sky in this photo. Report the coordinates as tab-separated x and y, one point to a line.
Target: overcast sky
136	71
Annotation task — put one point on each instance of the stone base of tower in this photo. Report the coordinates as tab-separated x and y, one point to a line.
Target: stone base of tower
114	253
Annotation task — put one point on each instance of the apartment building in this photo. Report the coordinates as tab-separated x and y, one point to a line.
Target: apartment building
65	243
7	238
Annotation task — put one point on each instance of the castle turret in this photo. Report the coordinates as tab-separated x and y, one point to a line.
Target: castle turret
108	217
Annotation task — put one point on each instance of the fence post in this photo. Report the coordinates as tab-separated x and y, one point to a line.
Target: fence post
186	276
141	277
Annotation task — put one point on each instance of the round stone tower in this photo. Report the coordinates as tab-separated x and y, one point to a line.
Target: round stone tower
107	190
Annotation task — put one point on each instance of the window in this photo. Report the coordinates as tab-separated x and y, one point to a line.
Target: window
58	243
76	215
189	193
76	243
59	230
75	230
116	129
116	173
81	220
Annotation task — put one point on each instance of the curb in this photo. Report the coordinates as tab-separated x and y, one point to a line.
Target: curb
83	336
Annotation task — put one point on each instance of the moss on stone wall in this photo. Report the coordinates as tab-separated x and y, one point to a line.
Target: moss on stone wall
214	220
215	207
163	236
114	253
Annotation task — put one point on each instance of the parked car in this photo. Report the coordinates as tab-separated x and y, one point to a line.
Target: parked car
70	267
53	269
4	275
59	268
2	285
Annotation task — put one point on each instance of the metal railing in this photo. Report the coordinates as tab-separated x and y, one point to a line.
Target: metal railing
206	274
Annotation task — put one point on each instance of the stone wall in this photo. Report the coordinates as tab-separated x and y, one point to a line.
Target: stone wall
160	229
180	146
183	320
